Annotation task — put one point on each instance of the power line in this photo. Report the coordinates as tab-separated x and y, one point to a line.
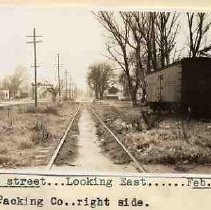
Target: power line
59	77
66	84
35	66
58	74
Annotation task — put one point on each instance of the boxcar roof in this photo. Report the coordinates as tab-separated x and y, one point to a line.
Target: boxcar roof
205	59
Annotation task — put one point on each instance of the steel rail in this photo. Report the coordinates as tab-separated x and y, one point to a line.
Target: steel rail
53	158
140	168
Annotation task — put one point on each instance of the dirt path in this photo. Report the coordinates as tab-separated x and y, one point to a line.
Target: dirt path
90	158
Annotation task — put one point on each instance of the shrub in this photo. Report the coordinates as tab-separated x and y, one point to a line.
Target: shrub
41	134
25	144
50	110
3	149
8	162
20	110
31	109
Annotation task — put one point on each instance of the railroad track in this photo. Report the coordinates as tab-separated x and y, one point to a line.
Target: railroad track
137	165
62	140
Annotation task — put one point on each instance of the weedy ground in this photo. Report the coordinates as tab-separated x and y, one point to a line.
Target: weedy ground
172	140
69	151
24	131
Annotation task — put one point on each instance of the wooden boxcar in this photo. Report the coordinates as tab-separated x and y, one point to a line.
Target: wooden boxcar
185	85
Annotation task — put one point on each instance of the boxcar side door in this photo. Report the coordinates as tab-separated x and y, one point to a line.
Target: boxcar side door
160	87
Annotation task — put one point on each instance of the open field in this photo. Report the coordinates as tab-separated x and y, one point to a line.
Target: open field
29	135
181	144
29	138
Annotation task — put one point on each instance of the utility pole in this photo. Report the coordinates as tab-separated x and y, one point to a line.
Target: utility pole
70	91
58	65
66	83
59	82
35	66
75	94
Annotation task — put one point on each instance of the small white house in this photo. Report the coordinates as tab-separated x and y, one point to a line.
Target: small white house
4	94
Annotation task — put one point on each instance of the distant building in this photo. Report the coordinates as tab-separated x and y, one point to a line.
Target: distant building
112	93
17	94
4	94
24	94
42	90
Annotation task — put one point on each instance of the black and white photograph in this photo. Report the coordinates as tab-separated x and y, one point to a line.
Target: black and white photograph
106	91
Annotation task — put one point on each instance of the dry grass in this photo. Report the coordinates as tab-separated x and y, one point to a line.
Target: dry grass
163	144
69	150
5	160
29	109
51	110
109	146
41	133
25	144
24	131
3	149
163	148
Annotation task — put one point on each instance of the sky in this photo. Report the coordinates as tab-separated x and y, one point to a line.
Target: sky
73	33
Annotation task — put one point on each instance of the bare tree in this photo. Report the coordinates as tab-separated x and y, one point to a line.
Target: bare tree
54	92
167	26
93	80
159	31
198	26
138	54
123	81
118	28
15	81
99	76
146	24
150	37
